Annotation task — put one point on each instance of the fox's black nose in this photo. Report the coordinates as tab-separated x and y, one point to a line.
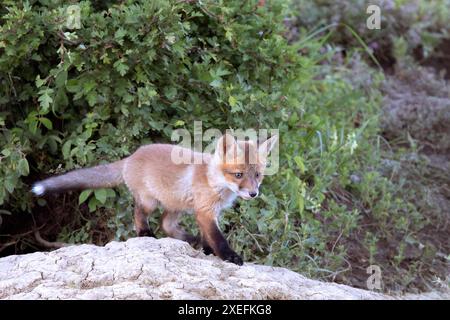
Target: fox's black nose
253	194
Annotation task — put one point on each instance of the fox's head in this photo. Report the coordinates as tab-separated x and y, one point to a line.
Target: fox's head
240	164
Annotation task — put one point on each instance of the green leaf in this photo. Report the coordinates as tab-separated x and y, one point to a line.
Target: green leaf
93	202
61	98
84	195
232	101
293	120
120	33
220	72
179	123
170	39
23	167
89	85
72	85
61	79
92	98
298	160
33	126
110	193
39	82
6	152
9	185
66	149
170	93
46	122
217	83
229	34
121	67
301	204
45	99
101	195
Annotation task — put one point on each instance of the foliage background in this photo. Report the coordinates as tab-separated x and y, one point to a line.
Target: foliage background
137	70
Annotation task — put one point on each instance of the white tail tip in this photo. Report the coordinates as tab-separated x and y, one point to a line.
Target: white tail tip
38	189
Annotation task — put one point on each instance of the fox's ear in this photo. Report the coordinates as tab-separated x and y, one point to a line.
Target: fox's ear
265	147
226	145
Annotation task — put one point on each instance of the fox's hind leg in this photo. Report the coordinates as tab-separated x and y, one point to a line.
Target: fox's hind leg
143	206
171	227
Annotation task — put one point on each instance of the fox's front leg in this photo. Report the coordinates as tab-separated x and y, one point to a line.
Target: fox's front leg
211	234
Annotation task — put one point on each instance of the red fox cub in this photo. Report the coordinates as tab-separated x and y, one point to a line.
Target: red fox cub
204	187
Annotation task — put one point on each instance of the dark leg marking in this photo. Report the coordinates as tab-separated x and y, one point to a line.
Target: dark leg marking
214	238
140	221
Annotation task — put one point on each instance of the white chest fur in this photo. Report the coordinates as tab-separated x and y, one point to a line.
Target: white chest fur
227	200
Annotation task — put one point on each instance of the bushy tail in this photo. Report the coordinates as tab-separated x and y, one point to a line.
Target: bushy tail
102	176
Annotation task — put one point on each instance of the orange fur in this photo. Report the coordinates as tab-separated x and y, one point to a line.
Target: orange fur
204	187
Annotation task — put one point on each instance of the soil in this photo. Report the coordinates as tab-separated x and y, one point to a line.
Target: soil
27	233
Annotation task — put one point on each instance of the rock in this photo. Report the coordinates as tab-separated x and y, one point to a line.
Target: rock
148	268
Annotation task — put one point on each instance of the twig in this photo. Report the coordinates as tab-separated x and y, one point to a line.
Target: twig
4	246
48	244
63	37
337	240
254	238
12	84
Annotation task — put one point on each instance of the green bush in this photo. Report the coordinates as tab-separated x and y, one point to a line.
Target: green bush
131	75
136	70
132	72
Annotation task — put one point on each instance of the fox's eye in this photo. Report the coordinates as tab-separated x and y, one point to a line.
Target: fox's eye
238	175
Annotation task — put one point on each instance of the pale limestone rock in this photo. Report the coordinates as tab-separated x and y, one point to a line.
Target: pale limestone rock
147	268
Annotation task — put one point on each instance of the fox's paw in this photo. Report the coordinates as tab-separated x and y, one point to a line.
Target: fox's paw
194	241
207	249
146	233
233	257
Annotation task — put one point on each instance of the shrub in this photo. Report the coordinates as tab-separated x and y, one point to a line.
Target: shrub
129	75
136	70
132	72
